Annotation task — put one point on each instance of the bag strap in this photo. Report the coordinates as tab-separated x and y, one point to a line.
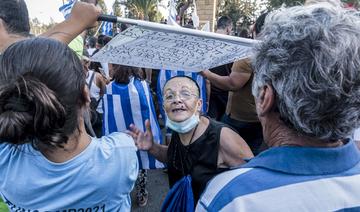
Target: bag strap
91	79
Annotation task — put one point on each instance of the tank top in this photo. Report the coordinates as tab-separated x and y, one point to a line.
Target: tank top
199	159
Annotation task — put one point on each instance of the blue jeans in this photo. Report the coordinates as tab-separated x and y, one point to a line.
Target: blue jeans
251	132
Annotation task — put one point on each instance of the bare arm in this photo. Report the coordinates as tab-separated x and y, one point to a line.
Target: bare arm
100	82
83	16
159	152
145	141
233	82
233	149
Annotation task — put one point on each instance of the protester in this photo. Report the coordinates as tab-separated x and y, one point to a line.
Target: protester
91	43
240	109
128	100
14	22
166	75
199	146
219	97
96	84
307	90
47	161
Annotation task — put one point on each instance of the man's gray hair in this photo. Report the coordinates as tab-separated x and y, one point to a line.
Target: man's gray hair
310	55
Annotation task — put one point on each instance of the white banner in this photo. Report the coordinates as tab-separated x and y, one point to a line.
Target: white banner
176	49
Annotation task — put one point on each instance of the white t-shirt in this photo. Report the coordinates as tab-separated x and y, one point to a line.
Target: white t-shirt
98	179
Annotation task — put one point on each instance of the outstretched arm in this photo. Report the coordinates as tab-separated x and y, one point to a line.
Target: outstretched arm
233	149
145	141
233	82
83	15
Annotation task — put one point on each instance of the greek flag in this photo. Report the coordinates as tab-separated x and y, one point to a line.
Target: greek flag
107	28
131	104
165	75
66	8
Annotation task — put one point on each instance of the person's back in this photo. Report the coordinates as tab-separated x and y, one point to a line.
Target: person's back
47	161
97	178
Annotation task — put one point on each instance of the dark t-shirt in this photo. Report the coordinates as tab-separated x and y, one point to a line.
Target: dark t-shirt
199	159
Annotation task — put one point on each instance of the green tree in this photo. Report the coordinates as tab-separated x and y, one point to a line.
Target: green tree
142	9
241	12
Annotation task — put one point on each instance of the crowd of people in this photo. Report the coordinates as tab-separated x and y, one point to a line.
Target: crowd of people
270	132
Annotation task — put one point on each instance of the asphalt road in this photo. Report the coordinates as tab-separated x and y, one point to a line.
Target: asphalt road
157	187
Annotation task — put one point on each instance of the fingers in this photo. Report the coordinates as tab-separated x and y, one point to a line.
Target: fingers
134	129
130	133
147	125
85	14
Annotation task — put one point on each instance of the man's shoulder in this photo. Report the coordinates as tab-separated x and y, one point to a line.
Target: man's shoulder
221	185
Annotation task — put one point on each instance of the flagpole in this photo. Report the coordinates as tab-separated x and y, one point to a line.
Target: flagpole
180	30
97	31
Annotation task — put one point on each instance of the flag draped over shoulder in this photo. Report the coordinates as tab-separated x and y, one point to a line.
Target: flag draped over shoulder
165	75
66	8
131	104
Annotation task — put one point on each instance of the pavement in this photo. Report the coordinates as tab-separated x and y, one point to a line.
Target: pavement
157	186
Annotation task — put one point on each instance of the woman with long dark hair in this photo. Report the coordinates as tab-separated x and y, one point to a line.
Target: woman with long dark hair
47	160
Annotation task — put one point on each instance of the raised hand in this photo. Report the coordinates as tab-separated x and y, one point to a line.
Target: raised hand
143	141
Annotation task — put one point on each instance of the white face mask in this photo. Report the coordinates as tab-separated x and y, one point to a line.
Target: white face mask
183	126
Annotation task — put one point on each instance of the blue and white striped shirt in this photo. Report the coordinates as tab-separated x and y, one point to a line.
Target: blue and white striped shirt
289	179
126	104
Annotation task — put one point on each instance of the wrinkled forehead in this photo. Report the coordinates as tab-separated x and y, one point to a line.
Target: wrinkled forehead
180	83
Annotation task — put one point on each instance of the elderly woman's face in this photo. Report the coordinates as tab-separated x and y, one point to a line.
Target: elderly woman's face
181	99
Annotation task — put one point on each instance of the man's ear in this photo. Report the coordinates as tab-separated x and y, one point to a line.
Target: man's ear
265	100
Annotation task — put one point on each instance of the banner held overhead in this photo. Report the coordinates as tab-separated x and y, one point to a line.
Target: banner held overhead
158	46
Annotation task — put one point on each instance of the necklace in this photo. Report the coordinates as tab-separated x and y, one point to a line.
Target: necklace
180	155
193	134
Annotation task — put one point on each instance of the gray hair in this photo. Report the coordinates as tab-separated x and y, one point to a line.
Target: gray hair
310	55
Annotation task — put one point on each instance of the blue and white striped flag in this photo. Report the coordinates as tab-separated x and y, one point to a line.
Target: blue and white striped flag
66	8
165	75
131	104
107	28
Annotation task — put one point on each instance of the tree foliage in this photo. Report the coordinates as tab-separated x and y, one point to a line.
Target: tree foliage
242	12
142	9
36	27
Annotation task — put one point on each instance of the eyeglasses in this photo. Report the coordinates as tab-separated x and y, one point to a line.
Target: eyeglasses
183	96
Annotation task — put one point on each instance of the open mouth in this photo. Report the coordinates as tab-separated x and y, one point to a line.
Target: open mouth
176	110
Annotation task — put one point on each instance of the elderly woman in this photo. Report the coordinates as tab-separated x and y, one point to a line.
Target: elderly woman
307	91
199	146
